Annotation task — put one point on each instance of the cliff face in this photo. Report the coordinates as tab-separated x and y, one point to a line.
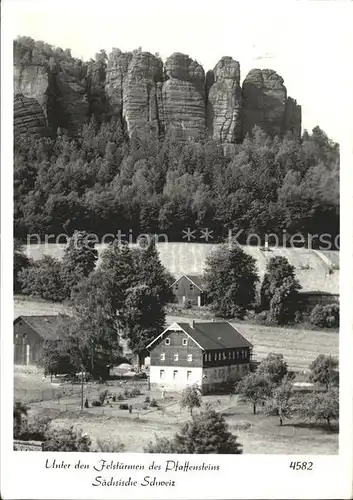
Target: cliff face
264	101
147	96
183	96
140	109
30	99
224	102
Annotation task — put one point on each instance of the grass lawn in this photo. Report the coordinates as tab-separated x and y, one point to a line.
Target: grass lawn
257	433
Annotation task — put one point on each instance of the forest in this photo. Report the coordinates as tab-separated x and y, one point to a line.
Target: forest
102	181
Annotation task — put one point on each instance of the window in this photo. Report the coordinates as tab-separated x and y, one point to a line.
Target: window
176	357
233	354
185	341
219	356
238	354
175	374
167	341
189	357
163	356
176	287
161	373
224	356
245	354
188	375
191	287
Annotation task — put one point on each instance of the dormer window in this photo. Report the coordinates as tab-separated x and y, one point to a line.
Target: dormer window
167	341
185	341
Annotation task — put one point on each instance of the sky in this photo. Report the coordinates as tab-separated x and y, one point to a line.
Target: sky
305	41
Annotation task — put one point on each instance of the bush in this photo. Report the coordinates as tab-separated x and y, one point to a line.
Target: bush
123	406
109	446
317	316
262	316
120	397
332	312
126	393
325	316
37	430
135	392
147	399
114	398
96	403
103	396
86	403
67	440
188	304
154	403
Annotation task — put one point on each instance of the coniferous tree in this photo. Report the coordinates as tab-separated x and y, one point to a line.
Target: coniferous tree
79	259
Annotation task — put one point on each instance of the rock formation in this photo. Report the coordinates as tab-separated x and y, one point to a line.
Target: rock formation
264	102
147	96
183	97
140	109
117	68
30	99
224	102
28	116
293	117
71	102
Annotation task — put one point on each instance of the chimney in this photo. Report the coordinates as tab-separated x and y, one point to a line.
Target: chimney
192	323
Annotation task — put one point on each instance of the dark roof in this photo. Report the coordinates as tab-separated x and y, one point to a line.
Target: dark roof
45	326
196	279
215	335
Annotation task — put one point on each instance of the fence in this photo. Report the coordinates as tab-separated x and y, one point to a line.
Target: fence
19	445
70	389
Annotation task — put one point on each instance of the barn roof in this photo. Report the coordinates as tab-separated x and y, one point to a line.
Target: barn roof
195	279
215	335
45	326
211	335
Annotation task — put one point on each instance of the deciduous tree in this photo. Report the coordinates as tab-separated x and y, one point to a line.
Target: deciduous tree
230	279
191	398
254	388
324	370
205	433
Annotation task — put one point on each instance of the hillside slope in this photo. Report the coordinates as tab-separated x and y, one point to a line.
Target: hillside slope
315	272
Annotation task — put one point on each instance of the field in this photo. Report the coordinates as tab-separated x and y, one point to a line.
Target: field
257	433
298	346
313	268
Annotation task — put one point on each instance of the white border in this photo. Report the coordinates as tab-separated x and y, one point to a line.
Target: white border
248	476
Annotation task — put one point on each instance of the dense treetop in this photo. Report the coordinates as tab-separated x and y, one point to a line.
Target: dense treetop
102	181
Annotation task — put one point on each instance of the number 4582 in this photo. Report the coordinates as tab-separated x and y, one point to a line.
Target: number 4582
301	465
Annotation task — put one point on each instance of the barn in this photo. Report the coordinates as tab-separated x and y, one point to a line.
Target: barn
30	332
189	287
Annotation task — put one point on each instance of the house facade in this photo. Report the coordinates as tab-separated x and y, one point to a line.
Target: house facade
29	332
209	354
189	287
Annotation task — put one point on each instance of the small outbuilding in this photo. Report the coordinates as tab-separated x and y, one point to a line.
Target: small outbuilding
189	287
29	334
